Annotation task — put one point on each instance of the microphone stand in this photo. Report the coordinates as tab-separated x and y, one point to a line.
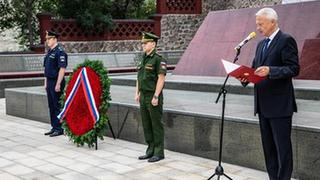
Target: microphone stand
219	169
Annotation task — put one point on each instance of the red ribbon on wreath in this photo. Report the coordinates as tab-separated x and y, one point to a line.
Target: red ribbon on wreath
83	96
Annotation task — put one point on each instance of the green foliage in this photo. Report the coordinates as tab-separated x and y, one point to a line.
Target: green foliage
21	15
99	129
90	14
137	9
98	14
5	15
148	8
50	6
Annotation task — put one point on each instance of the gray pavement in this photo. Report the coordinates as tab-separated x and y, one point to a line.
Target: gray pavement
25	153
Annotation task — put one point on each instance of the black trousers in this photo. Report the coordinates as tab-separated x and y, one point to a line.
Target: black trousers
53	103
276	142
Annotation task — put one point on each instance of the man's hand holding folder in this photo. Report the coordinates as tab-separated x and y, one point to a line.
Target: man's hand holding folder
245	74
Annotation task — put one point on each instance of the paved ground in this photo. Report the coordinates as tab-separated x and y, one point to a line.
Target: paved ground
25	153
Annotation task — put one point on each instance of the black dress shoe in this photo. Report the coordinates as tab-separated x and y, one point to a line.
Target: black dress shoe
155	158
144	157
49	132
56	133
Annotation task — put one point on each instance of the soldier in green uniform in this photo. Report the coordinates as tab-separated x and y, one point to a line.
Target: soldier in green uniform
152	69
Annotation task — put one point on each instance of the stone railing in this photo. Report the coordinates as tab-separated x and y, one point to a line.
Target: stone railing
34	62
124	29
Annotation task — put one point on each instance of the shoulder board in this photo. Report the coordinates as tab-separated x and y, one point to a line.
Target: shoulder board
158	54
60	48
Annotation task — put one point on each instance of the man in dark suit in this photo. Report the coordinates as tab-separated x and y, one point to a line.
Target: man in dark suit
276	59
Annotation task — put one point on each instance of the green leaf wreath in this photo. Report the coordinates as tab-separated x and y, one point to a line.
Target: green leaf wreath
98	131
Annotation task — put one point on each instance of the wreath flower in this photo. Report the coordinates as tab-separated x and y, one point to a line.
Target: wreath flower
89	89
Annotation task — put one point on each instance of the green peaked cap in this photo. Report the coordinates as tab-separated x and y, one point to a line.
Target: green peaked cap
149	37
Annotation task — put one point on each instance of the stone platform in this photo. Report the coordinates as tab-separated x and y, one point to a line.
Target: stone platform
192	122
19	82
304	89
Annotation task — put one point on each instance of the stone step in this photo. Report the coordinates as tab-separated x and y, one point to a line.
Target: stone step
304	89
20	82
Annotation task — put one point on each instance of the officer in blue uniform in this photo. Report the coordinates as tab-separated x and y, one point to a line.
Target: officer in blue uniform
55	64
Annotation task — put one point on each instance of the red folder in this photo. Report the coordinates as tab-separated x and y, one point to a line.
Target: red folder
239	71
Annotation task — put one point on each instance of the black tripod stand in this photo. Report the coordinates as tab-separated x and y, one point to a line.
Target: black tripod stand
219	169
114	137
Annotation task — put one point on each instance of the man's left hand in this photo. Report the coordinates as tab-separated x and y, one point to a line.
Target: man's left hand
262	71
57	88
154	102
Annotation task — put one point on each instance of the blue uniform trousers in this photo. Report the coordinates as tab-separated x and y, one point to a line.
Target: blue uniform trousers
53	102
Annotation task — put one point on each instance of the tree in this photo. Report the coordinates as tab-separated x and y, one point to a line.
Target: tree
90	14
122	8
5	15
140	9
148	9
21	15
98	14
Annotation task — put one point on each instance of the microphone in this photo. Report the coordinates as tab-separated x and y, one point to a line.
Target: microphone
247	39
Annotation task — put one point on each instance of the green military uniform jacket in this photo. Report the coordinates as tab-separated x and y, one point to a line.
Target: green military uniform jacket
148	69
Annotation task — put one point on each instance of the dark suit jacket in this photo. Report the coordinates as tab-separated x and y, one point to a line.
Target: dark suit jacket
274	96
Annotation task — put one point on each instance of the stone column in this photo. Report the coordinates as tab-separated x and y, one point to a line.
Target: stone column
44	24
157	24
